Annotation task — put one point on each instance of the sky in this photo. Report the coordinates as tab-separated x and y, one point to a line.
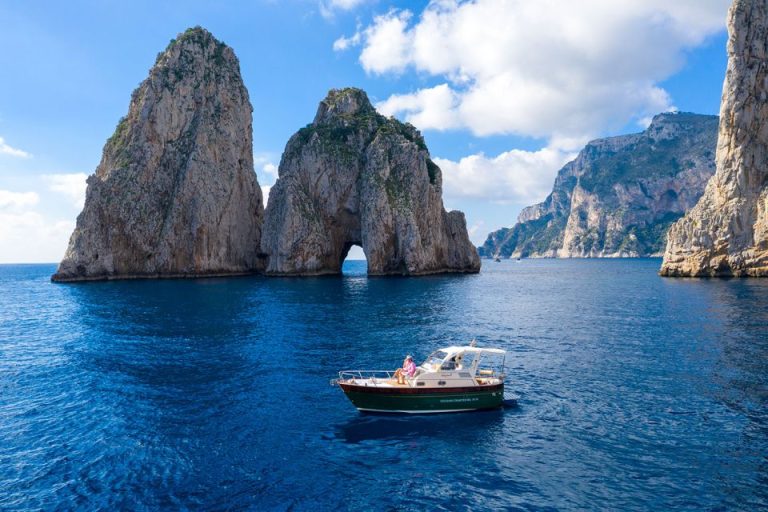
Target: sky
505	92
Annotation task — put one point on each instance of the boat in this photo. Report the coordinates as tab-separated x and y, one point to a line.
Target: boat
451	379
497	258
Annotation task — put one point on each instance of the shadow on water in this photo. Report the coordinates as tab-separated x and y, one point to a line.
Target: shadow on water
376	427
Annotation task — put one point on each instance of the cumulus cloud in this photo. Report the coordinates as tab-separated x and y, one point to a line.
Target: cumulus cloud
387	43
5	149
433	108
14	201
512	177
71	185
550	68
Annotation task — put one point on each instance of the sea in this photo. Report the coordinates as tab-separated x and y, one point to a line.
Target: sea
631	391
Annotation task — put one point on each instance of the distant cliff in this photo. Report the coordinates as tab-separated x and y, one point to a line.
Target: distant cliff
619	196
726	234
355	177
175	193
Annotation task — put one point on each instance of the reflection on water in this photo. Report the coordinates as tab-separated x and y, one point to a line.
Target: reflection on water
635	392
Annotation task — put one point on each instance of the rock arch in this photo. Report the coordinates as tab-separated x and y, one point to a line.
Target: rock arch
354	177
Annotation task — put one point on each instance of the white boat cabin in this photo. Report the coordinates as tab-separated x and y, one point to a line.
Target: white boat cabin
449	367
460	367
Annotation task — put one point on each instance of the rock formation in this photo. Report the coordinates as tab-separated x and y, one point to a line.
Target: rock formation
175	193
619	196
726	233
354	177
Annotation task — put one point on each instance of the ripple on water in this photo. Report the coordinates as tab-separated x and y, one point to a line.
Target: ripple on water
634	392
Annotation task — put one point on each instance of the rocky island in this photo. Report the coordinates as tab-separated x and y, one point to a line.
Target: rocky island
354	177
175	193
726	233
619	196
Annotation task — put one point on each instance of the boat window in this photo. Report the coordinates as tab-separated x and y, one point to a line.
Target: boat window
436	358
459	362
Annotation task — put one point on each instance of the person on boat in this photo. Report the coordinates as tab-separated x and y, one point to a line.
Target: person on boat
408	370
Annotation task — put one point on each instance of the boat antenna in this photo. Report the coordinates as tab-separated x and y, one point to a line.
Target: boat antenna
473	343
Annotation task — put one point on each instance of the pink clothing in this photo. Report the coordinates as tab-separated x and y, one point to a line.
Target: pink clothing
409	368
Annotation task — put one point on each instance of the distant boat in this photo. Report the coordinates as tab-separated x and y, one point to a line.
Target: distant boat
450	380
497	258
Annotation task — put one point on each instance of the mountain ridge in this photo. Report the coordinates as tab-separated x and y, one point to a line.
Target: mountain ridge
619	196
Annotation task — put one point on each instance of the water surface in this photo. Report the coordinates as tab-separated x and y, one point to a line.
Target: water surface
635	392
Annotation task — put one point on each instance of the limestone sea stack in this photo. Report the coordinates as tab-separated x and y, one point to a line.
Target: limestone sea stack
175	193
619	196
726	233
354	177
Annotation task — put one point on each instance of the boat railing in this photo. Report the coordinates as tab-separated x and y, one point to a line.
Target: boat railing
366	374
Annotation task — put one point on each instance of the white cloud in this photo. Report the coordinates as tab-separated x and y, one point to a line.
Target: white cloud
550	68
29	237
15	201
387	43
328	8
270	169
474	229
346	5
71	185
512	177
265	193
5	149
433	108
25	234
266	169
343	43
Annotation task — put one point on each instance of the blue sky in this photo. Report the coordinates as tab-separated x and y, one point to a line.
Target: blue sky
505	91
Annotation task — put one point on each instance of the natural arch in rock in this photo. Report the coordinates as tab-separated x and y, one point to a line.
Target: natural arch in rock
354	177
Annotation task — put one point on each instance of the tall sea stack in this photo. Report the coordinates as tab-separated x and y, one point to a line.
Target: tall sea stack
175	193
354	177
726	233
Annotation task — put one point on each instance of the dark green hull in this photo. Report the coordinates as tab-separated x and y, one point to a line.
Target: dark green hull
410	400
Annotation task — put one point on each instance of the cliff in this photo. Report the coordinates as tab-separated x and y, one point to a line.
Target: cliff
619	196
726	233
354	177
175	193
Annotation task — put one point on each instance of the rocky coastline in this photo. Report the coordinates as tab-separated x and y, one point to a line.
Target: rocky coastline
726	233
619	196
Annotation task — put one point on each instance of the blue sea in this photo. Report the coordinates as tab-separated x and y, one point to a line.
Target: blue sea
634	392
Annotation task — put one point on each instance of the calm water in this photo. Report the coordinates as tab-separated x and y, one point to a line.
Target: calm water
635	392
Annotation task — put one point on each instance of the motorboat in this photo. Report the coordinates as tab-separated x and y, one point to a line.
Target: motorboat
451	379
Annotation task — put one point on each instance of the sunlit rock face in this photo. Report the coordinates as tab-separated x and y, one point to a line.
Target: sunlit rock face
175	193
726	233
354	177
619	196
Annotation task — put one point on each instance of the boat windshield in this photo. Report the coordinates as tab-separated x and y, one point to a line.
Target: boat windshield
435	358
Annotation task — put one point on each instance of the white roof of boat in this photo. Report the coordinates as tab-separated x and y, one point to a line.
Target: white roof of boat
473	350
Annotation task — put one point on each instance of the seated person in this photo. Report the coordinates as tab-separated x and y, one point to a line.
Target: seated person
453	363
408	370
